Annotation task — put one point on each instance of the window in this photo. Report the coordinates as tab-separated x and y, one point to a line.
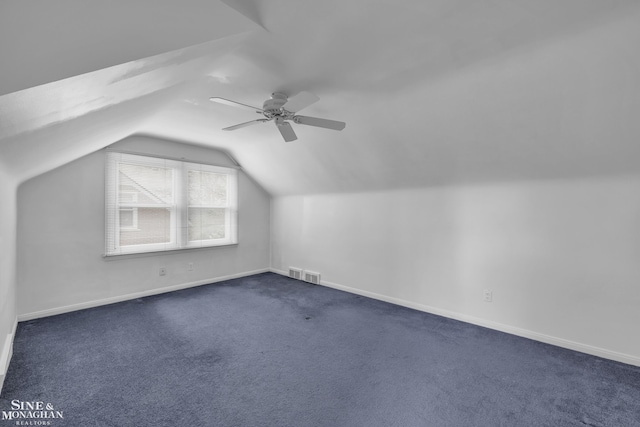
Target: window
155	204
128	218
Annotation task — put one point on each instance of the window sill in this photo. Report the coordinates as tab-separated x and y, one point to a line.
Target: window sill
108	257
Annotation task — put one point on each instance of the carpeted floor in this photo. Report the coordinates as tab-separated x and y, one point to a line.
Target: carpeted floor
266	350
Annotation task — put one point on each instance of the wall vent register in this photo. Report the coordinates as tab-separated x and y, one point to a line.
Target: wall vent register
295	273
312	277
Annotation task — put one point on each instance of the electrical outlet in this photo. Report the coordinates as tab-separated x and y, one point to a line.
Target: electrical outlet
488	295
163	271
190	266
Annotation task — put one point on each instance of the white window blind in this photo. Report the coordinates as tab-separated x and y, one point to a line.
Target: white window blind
155	204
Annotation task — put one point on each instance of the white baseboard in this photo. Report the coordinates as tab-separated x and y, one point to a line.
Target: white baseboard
120	298
6	352
548	339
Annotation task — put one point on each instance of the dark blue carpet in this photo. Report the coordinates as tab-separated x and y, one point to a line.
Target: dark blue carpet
266	350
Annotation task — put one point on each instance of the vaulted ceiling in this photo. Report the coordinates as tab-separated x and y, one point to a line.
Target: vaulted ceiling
434	92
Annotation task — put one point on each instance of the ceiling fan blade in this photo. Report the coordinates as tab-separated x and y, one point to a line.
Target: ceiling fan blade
225	101
245	124
300	101
286	130
321	123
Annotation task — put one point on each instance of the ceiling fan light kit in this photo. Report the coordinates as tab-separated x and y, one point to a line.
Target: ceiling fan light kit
282	109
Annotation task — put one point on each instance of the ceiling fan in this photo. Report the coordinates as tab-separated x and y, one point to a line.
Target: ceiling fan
282	109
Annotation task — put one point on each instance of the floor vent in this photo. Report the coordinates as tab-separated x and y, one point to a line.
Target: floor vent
295	273
311	277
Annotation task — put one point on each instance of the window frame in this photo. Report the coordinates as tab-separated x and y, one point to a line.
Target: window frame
178	208
134	217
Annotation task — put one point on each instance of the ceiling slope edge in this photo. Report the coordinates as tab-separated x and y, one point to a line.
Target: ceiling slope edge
48	148
54	103
249	10
44	42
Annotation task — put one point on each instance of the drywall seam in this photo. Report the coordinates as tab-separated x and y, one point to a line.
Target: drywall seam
548	339
6	353
112	300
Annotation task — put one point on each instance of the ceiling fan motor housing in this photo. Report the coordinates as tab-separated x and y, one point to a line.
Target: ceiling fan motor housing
276	102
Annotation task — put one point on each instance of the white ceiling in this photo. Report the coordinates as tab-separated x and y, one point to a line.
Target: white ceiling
434	92
42	41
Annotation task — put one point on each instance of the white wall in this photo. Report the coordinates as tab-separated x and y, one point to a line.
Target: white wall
525	172
60	265
7	269
560	256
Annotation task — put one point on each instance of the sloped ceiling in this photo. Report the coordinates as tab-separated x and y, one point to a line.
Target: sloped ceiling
434	92
43	41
